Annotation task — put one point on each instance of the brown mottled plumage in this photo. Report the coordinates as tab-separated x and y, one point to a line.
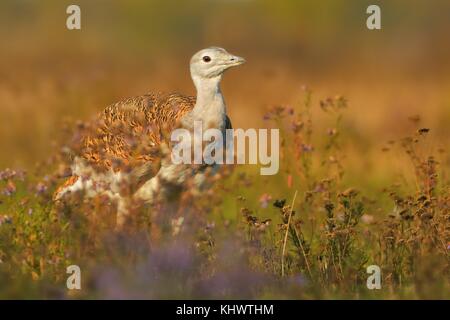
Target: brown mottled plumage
130	133
146	119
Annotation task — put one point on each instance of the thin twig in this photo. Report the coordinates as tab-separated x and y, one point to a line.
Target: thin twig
305	257
286	234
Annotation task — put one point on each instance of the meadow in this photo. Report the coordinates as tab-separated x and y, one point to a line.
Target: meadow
364	162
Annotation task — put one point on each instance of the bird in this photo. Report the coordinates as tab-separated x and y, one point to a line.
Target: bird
130	140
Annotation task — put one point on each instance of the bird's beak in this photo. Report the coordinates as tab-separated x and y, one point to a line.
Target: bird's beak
235	61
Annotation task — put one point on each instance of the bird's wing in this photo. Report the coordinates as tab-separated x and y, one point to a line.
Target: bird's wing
131	131
128	135
228	124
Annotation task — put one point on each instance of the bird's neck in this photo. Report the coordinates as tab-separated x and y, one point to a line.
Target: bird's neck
210	105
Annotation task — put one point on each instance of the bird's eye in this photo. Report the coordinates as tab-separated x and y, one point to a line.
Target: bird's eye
207	58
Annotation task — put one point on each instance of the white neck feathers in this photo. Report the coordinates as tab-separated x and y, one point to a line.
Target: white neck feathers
210	105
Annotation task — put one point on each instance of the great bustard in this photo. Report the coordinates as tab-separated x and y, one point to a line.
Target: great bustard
148	120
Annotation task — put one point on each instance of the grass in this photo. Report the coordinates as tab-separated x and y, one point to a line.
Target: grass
308	232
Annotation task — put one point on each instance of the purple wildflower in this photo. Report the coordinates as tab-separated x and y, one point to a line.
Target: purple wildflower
41	188
264	200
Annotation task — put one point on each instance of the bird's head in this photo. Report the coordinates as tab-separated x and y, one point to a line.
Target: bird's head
212	62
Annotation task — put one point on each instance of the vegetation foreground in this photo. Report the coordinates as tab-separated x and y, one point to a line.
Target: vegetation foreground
305	233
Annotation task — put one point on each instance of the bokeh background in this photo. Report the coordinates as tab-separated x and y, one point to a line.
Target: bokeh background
125	48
